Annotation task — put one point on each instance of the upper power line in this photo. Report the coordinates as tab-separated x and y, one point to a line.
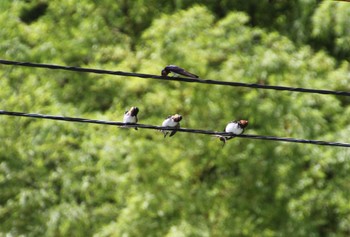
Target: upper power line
187	130
182	79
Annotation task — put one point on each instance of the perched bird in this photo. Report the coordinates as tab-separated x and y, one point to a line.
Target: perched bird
131	116
234	127
177	71
172	121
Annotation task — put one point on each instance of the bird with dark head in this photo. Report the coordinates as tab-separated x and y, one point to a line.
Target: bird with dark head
235	128
177	71
130	116
172	121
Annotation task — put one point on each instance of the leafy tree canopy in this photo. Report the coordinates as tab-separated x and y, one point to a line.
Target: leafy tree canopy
68	179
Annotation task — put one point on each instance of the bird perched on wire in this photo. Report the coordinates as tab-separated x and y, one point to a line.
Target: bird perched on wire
172	121
130	116
234	127
177	71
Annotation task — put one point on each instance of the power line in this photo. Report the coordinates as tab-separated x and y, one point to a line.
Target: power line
182	79
187	130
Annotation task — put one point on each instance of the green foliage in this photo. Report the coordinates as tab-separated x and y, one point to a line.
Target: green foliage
330	27
69	179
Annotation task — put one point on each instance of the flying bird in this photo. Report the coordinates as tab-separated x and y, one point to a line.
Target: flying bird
234	127
177	71
172	121
130	116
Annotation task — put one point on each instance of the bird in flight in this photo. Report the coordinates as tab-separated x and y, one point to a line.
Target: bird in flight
172	121
234	127
130	116
177	71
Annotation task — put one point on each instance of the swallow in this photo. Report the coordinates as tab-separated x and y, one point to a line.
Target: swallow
172	121
177	71
234	127
131	116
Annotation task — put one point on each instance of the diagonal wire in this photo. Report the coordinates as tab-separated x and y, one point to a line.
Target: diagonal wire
187	130
182	79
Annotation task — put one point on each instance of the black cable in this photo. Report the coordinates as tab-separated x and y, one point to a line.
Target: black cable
187	130
182	79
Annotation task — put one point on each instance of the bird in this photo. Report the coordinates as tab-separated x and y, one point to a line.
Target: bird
172	121
130	116
177	71
234	127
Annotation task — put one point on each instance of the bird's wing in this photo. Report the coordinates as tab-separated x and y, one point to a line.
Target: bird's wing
183	72
136	122
186	73
175	130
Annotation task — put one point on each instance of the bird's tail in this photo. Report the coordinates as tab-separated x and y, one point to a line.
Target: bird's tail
125	126
223	138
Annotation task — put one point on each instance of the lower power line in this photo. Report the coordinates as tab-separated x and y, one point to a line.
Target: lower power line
187	130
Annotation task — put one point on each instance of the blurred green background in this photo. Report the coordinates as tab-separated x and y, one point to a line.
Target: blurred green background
69	179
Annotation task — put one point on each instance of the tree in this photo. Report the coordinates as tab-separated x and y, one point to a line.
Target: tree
60	178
